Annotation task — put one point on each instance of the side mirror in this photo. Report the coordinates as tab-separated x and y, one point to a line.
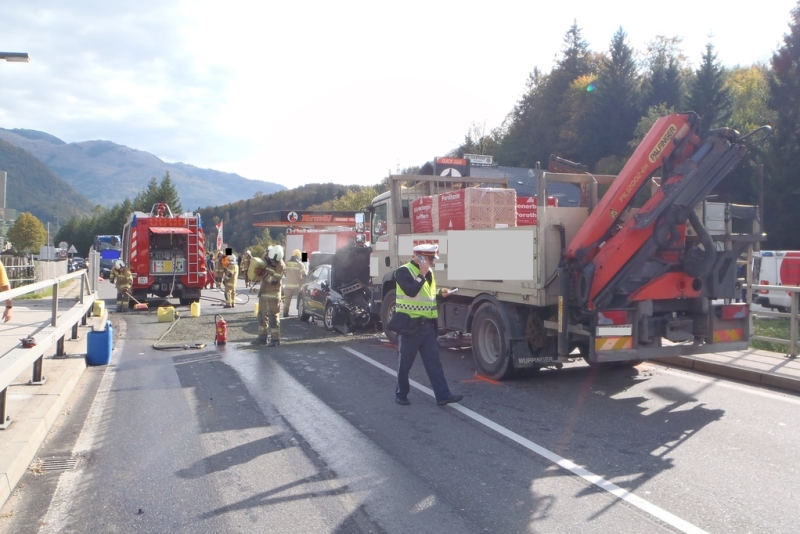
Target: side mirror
360	227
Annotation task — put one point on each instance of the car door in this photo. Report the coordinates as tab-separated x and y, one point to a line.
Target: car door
321	289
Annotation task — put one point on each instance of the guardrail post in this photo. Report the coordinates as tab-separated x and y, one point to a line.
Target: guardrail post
54	319
38	379
74	331
793	345
60	346
4	419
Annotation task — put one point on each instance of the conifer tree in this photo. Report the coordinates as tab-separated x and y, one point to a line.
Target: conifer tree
782	193
708	95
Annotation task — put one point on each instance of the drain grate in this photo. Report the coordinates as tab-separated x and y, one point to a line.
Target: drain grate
56	464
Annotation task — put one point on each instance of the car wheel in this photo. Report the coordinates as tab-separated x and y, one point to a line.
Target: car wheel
327	317
301	310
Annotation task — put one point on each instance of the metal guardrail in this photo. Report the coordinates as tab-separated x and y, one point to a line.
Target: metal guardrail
14	362
794	292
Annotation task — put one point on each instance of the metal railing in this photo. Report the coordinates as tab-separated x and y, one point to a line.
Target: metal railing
792	316
14	362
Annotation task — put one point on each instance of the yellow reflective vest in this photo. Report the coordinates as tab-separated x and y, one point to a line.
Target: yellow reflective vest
423	304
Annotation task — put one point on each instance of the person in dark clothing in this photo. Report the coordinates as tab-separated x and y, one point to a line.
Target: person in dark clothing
415	309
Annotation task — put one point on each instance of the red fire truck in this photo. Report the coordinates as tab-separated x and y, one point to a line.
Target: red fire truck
166	254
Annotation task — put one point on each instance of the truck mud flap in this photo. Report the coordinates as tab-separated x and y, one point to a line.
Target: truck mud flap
523	358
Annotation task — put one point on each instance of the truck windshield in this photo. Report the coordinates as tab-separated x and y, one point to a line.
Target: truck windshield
379	222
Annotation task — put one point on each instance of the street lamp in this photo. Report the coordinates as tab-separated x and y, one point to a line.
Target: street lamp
15	57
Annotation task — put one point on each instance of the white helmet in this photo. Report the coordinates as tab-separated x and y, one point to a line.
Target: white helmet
231	260
247	252
275	253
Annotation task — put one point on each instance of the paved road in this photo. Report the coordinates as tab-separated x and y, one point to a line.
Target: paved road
307	438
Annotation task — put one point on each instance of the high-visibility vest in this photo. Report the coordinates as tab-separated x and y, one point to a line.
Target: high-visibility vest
422	305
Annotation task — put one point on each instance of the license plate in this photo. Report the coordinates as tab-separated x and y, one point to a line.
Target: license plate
142	279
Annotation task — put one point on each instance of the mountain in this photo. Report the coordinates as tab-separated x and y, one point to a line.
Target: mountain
32	187
106	172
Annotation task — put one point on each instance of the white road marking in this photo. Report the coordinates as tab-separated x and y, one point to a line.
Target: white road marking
646	506
67	487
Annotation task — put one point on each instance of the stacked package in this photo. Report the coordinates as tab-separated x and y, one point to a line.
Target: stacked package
476	209
527	214
421	215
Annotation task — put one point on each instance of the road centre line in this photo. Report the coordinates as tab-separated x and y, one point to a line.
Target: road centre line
646	506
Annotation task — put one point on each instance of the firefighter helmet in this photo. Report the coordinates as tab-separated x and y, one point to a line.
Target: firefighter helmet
296	252
275	253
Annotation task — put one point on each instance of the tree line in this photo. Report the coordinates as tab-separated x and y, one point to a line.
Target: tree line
595	107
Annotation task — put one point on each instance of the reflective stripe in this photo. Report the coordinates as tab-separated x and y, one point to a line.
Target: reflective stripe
423	304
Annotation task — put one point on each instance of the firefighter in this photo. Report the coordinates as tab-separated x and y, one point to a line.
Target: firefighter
229	277
218	269
245	266
269	297
123	280
114	272
296	272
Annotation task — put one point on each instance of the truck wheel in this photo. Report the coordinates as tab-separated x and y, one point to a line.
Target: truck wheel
489	347
387	311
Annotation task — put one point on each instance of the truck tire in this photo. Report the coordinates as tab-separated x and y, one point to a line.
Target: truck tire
489	346
387	311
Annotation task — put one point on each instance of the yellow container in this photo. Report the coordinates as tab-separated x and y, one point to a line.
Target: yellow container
166	314
99	306
195	311
255	310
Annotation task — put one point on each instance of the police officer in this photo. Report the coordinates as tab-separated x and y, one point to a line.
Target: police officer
269	297
124	281
229	277
296	271
416	298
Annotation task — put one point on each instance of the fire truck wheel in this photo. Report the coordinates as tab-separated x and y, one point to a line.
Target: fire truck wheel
327	317
489	345
387	311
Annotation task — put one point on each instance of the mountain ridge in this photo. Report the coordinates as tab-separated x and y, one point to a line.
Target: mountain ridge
106	172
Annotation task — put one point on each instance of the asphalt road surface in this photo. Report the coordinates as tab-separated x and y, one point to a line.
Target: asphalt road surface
307	437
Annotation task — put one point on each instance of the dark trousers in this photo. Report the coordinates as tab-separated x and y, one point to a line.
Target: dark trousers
426	343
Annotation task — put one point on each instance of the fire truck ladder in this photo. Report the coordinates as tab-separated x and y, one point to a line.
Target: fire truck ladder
193	261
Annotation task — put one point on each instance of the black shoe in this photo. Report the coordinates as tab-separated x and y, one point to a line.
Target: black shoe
260	340
450	399
274	343
400	400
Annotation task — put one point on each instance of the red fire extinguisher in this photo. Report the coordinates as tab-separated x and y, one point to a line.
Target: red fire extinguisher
222	331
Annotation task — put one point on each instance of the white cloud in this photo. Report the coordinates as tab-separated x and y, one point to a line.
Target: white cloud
316	91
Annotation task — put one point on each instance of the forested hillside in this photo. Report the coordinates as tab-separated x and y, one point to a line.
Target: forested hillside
594	107
34	188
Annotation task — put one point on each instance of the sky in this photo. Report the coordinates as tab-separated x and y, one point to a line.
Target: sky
319	91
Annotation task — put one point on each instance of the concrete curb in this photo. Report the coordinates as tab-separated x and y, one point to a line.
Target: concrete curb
43	410
736	372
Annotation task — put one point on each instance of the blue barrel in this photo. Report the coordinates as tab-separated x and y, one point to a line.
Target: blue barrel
99	345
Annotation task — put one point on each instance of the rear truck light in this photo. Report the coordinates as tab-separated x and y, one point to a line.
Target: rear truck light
764	291
732	311
614	330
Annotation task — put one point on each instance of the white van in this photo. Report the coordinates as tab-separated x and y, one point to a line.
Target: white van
775	268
